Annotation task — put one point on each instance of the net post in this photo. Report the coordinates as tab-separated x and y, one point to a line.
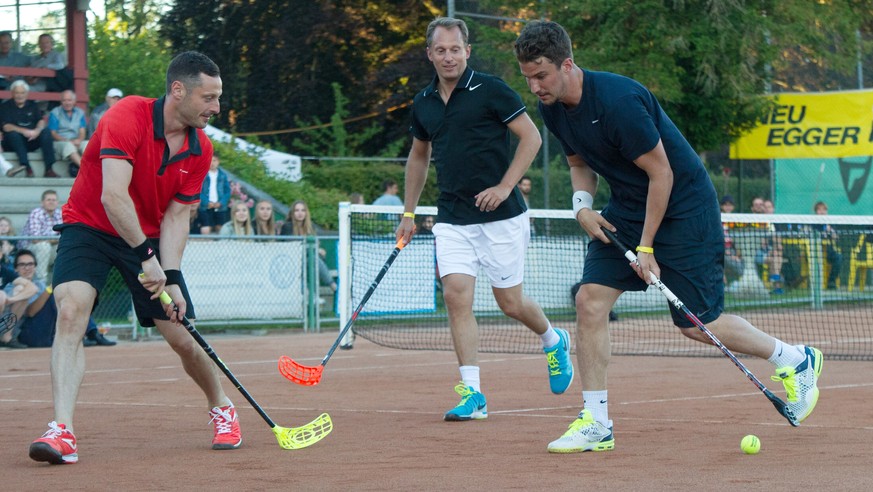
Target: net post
344	262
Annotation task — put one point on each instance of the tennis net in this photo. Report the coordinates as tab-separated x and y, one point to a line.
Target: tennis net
782	284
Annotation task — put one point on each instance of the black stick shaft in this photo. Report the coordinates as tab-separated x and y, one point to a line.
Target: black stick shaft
679	305
364	300
221	365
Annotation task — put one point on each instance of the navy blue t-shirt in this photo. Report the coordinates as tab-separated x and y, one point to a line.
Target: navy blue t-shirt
470	141
617	121
7	275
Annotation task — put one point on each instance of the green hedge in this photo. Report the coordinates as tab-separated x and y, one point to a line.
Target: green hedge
324	185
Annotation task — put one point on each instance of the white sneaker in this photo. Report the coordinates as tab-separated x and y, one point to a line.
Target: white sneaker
801	382
584	434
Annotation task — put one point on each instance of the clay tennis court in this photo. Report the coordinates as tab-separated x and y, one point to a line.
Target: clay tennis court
143	425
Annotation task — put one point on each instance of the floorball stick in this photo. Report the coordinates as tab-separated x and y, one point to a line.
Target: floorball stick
679	305
288	437
309	375
7	322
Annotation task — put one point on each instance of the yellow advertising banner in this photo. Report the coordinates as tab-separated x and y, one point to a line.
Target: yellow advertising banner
810	125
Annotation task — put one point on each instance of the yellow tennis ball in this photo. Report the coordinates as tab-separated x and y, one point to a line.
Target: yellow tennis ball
750	444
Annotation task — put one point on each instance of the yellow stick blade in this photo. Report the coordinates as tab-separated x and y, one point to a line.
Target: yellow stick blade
304	436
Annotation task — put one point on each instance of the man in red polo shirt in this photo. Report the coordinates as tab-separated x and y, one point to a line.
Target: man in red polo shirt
129	208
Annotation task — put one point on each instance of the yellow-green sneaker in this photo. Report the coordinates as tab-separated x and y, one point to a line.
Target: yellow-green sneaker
801	382
584	434
471	407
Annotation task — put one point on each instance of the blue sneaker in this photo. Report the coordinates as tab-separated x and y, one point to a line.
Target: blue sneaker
472	406
560	365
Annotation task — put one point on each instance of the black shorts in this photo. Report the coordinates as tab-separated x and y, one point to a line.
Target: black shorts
213	217
86	254
690	252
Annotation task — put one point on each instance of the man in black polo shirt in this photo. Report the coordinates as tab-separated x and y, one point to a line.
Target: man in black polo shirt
463	118
24	130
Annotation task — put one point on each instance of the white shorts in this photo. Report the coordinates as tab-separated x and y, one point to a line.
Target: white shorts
497	247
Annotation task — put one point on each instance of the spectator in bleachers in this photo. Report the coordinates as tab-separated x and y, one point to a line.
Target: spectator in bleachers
69	129
770	252
41	223
829	239
15	291
389	194
299	223
10	58
112	96
425	225
24	130
524	186
7	247
52	60
40	314
733	260
356	198
757	206
265	222
214	199
240	223
194	220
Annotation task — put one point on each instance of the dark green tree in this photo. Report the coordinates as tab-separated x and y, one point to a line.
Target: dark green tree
279	59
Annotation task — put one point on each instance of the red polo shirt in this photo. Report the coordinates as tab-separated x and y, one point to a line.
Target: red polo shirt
133	130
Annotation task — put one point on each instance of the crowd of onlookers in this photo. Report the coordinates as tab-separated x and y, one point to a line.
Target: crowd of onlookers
58	130
778	270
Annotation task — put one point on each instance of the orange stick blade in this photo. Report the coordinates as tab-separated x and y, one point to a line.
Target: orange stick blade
298	373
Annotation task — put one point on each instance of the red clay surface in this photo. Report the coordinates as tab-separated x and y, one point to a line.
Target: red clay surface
142	424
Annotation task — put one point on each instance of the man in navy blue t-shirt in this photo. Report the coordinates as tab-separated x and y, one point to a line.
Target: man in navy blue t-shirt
662	200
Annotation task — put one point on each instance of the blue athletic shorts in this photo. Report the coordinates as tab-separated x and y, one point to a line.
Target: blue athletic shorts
87	255
690	252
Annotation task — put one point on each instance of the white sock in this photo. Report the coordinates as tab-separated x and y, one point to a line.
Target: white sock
470	376
596	402
550	338
785	355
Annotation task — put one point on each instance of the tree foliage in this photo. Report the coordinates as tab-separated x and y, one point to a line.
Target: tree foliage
279	59
133	59
706	61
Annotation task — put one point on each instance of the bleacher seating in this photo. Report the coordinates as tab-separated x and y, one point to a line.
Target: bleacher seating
20	195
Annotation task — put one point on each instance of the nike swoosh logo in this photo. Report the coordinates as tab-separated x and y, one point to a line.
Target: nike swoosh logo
475	87
506	277
602	401
579	200
184	171
595	121
71	442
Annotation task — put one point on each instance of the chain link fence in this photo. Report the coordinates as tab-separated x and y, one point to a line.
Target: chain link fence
237	282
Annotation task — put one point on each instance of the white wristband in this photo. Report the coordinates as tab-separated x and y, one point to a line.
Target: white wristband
582	199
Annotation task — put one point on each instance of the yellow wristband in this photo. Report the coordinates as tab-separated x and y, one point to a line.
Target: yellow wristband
409	215
645	249
49	289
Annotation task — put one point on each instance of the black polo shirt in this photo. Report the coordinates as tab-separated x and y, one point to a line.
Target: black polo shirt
27	116
470	141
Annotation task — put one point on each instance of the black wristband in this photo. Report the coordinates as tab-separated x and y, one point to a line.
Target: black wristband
144	251
174	277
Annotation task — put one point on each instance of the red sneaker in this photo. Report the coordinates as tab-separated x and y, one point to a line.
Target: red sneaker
57	446
227	433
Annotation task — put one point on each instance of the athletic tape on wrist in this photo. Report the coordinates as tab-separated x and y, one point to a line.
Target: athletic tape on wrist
582	199
144	251
174	277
